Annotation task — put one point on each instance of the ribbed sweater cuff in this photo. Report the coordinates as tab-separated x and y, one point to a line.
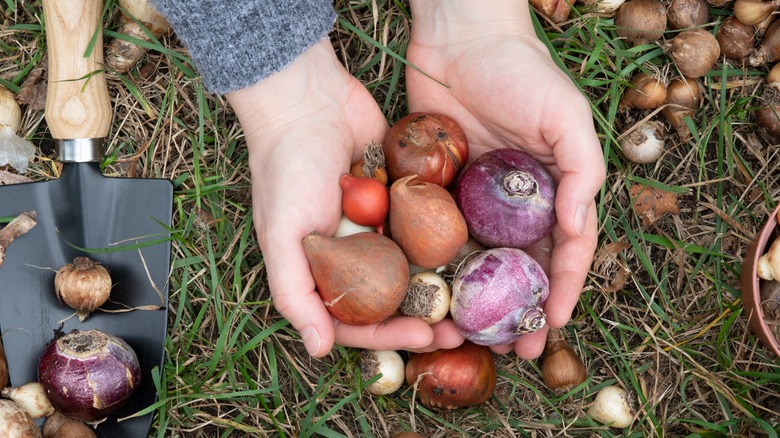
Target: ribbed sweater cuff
235	44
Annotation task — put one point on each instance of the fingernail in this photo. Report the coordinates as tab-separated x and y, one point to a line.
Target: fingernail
580	217
311	340
415	347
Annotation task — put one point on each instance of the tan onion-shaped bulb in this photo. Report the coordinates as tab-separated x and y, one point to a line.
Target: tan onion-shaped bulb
31	398
768	49
562	368
556	11
10	112
768	114
428	297
641	21
84	285
685	14
16	422
645	92
735	39
754	11
768	264
16	151
773	77
694	52
61	426
683	98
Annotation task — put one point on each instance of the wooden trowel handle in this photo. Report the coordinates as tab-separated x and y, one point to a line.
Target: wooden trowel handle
77	101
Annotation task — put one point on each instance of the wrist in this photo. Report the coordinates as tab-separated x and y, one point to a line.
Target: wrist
315	79
446	21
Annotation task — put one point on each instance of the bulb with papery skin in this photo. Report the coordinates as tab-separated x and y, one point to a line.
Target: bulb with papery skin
453	378
362	278
365	201
498	297
89	375
431	146
15	422
507	198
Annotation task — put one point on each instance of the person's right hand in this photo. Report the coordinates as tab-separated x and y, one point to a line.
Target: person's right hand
304	126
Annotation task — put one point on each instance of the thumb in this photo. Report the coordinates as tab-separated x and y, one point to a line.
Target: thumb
579	159
294	295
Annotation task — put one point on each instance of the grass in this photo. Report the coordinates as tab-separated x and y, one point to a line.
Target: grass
674	334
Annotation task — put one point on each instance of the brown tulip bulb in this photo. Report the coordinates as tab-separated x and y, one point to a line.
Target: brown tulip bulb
773	77
362	278
769	123
84	285
683	98
685	14
694	52
735	39
556	10
453	378
425	222
431	146
768	50
641	21
768	115
754	11
562	368
645	92
60	426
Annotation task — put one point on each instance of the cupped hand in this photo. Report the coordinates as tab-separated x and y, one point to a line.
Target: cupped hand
495	78
304	126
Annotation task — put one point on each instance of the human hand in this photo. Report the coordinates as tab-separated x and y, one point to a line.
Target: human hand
304	126
505	91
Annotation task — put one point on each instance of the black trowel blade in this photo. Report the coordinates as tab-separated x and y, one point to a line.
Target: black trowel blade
122	223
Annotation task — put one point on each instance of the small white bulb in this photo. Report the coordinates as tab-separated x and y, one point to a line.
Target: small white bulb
611	407
645	143
347	227
31	398
386	362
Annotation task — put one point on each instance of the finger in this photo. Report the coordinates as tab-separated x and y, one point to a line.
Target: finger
540	251
397	333
531	346
579	158
502	349
445	336
366	118
569	265
293	291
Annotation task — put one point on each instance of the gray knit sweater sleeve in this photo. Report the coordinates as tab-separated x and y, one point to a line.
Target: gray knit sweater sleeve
236	43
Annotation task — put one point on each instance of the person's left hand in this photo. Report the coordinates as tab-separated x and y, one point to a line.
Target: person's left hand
506	92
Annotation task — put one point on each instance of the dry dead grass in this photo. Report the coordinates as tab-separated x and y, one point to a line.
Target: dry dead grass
660	314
